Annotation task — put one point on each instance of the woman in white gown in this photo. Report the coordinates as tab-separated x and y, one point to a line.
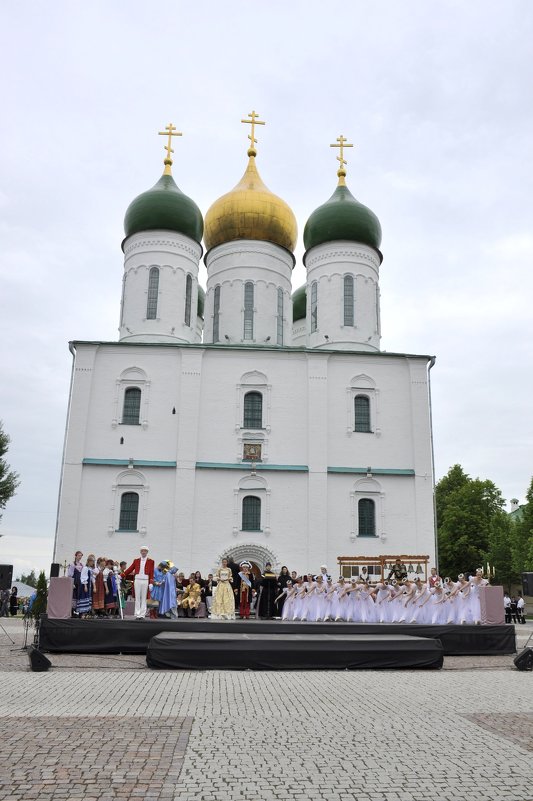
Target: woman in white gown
317	595
476	582
340	601
418	611
352	601
408	595
382	607
395	601
299	599
437	605
329	612
463	600
289	592
366	604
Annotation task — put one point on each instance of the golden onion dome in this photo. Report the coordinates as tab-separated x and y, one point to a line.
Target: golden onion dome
250	211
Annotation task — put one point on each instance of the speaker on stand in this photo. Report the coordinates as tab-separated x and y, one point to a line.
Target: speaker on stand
524	660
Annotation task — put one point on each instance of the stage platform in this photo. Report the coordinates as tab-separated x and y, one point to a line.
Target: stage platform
209	650
115	636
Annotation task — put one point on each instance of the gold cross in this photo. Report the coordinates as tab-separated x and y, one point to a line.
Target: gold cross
253	121
169	131
343	142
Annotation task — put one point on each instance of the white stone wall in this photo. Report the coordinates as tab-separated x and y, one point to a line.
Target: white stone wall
328	264
176	256
268	267
191	412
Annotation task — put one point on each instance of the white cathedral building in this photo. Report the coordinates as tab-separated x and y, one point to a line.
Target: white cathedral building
250	419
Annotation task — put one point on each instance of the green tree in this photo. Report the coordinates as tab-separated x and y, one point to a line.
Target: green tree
9	480
522	551
501	542
39	605
30	579
466	508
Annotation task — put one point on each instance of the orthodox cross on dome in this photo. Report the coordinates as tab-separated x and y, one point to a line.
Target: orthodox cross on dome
170	131
253	121
342	143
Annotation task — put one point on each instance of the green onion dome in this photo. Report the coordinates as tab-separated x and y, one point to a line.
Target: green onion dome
342	217
299	303
164	207
201	303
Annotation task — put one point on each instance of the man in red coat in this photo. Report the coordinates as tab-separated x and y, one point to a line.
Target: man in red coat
142	572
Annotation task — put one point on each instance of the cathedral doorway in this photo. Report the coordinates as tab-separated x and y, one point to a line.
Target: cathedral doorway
257	555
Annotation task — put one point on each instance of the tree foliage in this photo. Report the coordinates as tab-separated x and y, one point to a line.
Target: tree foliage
467	512
9	480
30	579
522	550
39	605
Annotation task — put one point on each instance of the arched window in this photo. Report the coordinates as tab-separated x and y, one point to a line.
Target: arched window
314	306
362	413
129	511
132	406
367	517
251	513
153	291
216	314
188	298
248	310
348	300
280	316
253	410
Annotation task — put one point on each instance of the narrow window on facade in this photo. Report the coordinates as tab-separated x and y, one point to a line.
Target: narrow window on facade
129	511
253	410
362	413
367	517
188	297
251	513
280	316
314	306
348	300
132	407
153	291
248	310
216	315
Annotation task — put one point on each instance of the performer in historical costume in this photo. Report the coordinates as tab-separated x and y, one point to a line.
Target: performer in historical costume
159	584
98	587
84	602
192	597
74	572
398	571
142	571
245	589
283	579
266	607
110	588
223	607
168	604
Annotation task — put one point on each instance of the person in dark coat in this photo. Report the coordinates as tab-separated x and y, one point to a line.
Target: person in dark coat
267	588
283	578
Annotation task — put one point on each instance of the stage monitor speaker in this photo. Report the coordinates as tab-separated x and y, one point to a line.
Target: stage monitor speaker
6	577
527	583
524	660
54	570
38	661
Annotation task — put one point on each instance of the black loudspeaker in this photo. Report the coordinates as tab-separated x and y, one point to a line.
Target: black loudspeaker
524	660
38	661
54	570
527	583
6	577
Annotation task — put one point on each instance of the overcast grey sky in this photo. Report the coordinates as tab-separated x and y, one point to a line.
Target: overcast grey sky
436	97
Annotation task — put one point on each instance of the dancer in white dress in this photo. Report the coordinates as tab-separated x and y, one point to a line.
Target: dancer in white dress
331	595
418	612
382	607
366	604
451	589
299	600
350	594
408	592
288	606
317	596
395	601
437	605
474	610
340	601
463	600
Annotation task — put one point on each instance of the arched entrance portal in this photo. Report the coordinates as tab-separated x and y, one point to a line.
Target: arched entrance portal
251	552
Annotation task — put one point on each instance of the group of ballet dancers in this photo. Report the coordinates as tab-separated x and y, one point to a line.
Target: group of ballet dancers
390	601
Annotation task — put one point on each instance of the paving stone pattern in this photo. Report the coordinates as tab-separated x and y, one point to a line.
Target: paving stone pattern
259	736
94	759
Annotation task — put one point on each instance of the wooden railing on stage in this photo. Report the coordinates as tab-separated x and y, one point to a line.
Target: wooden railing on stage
379	567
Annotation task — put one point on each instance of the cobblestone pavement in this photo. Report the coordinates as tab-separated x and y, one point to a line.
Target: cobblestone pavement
368	735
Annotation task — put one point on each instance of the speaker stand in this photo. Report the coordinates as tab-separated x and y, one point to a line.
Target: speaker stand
11	640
